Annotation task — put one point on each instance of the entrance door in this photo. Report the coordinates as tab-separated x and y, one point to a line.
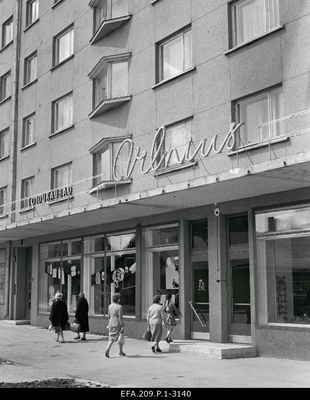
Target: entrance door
28	282
239	280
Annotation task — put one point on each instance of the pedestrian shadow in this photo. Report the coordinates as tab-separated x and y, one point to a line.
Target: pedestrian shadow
141	356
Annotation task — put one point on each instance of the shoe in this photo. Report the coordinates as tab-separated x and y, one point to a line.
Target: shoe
170	340
153	349
122	354
56	339
61	341
107	354
77	338
83	338
158	350
167	340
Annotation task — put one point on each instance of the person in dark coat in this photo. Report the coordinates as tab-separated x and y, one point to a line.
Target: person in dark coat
59	317
81	316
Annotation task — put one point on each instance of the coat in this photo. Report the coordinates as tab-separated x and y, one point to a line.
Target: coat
59	314
81	314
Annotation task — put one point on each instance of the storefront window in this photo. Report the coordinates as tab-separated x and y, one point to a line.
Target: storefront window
283	257
109	269
60	270
160	264
2	275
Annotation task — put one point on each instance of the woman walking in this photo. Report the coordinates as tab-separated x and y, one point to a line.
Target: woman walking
116	324
172	312
81	316
156	320
59	317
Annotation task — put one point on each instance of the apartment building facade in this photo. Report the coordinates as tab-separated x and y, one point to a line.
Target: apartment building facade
159	146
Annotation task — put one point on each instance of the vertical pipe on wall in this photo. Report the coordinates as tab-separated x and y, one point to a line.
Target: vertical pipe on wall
9	259
16	68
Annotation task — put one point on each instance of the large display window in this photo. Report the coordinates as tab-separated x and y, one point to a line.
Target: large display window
160	271
2	275
283	266
60	270
110	267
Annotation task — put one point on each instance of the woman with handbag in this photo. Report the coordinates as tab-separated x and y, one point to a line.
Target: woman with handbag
116	325
59	317
172	312
81	316
156	320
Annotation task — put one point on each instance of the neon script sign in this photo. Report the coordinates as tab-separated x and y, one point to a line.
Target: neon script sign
160	158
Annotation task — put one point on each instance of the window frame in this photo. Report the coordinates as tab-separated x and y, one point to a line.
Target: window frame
268	6
26	143
160	54
3	201
24	198
5	86
270	123
32	12
55	113
9	23
56	46
4	143
27	68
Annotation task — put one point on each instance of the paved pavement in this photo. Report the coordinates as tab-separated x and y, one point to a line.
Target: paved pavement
37	356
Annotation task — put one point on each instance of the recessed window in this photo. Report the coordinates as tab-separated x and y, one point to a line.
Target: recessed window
175	55
253	18
30	69
172	143
7	32
5	86
260	114
32	11
3	201
26	192
109	9
28	131
103	160
63	113
4	143
62	176
63	45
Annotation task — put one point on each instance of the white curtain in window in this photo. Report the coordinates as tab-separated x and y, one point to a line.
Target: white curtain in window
64	113
62	176
119	81
65	45
29	131
2	201
250	20
276	112
101	88
105	165
101	13
173	57
32	69
122	159
119	8
176	139
4	144
188	56
274	16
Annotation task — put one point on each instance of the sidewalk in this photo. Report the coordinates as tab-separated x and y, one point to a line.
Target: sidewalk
37	356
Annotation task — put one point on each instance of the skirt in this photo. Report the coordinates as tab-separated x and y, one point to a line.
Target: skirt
157	331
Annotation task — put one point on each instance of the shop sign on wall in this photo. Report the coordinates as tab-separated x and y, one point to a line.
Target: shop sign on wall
52	195
159	157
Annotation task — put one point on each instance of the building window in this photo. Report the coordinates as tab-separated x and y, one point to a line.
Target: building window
3	201
283	259
161	264
28	131
110	267
61	176
253	18
4	144
30	69
109	9
7	32
260	114
103	160
26	192
175	55
172	142
60	270
32	11
63	113
5	86
63	46
2	276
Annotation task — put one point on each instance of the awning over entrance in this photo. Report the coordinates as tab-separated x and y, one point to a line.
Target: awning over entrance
270	177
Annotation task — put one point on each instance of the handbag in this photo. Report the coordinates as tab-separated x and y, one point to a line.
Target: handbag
121	339
148	335
75	327
67	326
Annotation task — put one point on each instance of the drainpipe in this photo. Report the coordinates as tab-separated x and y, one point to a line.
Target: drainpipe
16	68
9	261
